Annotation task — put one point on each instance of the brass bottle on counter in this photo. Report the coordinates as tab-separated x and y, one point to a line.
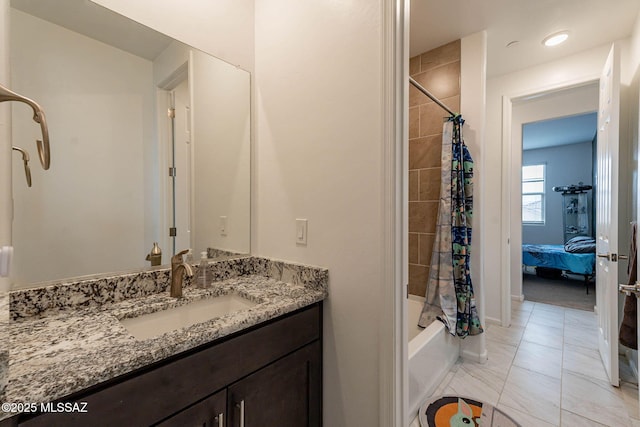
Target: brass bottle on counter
155	256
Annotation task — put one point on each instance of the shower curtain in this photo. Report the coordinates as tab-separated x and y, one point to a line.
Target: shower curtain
449	296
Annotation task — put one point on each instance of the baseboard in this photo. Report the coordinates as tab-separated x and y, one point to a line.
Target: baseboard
474	356
492	321
517	298
630	359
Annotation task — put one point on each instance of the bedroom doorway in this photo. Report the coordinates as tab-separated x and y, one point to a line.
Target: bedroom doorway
558	215
554	140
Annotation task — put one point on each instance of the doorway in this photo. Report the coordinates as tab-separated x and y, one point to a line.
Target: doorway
607	190
543	226
558	217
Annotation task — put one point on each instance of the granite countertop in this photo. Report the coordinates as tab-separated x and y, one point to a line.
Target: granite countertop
65	350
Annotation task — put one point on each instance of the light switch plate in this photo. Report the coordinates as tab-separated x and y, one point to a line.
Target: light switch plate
301	231
6	253
223	225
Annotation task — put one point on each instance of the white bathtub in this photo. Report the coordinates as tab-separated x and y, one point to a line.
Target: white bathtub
432	353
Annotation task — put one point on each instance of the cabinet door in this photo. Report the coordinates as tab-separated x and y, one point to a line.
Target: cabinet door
286	393
209	412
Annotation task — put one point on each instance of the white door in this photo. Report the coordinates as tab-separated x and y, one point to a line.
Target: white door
607	215
182	163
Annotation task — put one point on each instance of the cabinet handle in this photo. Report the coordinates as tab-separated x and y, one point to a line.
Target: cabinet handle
220	419
241	407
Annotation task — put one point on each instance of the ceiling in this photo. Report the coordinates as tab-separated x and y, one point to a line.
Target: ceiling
99	23
591	23
560	131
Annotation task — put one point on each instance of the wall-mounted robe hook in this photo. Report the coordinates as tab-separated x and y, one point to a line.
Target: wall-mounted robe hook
38	116
25	160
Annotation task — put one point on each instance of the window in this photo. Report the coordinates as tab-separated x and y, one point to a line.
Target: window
533	194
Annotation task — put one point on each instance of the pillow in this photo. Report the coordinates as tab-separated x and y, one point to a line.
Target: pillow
580	244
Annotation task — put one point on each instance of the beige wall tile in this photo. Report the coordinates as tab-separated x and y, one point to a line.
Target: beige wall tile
413	248
425	152
416	97
414	65
452	102
441	55
441	82
431	119
430	184
414	122
422	216
418	275
414	177
439	72
425	248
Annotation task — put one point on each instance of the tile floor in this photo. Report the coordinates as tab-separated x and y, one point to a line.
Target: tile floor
545	370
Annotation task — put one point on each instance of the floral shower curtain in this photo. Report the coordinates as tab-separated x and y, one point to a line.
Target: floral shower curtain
449	296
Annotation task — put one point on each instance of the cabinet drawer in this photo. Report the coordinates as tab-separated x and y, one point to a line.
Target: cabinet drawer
145	398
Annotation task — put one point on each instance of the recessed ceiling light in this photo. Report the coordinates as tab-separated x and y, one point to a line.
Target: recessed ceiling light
555	38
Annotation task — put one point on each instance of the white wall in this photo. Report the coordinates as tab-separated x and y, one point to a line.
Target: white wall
100	114
318	156
584	66
6	203
473	66
633	73
220	106
223	28
565	165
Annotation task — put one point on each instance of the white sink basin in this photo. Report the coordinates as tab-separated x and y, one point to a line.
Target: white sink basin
154	324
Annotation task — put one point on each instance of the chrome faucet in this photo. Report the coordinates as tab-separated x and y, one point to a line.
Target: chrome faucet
178	266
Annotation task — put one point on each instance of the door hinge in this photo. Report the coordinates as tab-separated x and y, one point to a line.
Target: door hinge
172	171
171	113
407	287
173	232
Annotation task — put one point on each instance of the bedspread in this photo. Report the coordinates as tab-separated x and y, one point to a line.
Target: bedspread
554	256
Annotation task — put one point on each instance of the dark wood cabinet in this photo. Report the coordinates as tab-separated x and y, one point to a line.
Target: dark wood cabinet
209	412
268	375
282	394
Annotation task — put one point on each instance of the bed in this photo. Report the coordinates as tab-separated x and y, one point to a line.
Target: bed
554	256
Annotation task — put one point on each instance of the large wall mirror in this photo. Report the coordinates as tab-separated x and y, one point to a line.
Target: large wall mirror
106	84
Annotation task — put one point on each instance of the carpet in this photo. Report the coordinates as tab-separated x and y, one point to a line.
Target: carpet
563	292
456	411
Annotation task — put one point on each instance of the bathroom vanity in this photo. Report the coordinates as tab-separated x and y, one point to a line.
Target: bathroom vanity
260	366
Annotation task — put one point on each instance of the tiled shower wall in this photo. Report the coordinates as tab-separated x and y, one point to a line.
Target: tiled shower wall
438	71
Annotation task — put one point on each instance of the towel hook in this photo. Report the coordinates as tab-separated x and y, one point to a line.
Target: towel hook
25	160
44	151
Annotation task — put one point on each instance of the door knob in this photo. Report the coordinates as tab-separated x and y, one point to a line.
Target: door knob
629	289
607	256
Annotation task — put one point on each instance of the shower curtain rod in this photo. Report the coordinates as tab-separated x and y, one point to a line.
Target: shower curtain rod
433	98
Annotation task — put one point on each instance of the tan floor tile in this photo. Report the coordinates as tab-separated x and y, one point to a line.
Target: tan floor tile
583	361
511	335
539	358
532	393
524	419
569	419
544	335
594	399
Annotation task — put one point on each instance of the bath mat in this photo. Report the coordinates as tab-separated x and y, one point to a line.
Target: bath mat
456	411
